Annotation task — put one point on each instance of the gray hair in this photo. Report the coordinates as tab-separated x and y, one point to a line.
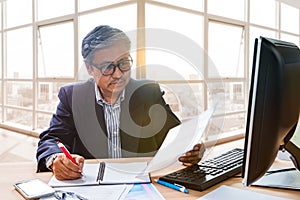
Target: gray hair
101	37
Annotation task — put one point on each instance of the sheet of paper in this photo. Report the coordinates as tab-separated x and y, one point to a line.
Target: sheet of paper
90	172
132	172
226	192
108	192
180	140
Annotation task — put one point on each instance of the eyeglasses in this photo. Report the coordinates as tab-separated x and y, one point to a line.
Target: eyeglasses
108	69
62	195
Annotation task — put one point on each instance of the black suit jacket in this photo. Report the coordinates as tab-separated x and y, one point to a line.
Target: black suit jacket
79	123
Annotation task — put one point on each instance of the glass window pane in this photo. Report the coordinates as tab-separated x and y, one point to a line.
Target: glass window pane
47	95
230	98
167	65
1	4
175	21
46	8
290	38
19	45
19	118
1	55
262	16
191	4
226	50
126	21
289	18
234	96
56	50
255	32
225	125
179	45
19	93
1	102
92	4
43	120
185	99
18	12
230	8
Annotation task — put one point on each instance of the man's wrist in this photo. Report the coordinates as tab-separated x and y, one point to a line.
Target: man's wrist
49	161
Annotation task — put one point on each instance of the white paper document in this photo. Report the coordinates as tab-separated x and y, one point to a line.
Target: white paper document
125	173
179	140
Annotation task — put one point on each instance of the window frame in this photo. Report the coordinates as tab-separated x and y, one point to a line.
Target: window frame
140	54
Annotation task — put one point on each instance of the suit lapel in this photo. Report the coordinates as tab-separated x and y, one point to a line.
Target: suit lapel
87	116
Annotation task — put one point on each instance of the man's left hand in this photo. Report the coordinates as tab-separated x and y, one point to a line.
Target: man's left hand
193	156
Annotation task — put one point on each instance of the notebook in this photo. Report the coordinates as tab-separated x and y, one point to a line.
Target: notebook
107	173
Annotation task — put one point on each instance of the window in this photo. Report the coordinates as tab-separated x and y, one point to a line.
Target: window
1	15
18	12
20	118
226	49
237	92
1	56
191	4
44	92
234	8
290	38
263	13
288	13
255	32
47	95
175	20
19	93
43	120
200	51
19	53
186	100
1	101
92	4
46	8
175	56
56	50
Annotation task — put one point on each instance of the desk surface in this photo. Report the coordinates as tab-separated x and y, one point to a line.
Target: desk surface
13	172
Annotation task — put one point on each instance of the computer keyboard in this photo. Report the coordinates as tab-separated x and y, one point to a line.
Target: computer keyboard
208	172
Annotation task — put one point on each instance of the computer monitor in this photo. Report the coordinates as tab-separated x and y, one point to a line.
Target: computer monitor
274	107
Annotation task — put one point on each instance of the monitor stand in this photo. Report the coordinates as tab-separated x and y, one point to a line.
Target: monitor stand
289	179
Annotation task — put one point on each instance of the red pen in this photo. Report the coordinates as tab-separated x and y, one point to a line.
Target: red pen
65	151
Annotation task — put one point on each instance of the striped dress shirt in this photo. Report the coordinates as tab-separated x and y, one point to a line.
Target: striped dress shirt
112	121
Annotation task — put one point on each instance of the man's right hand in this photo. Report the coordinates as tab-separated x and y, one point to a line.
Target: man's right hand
64	169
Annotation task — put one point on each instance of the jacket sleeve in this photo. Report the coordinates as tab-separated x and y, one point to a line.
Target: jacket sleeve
61	129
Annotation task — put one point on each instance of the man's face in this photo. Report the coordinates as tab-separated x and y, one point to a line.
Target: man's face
115	83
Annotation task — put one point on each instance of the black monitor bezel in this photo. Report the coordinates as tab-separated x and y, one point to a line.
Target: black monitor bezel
284	144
